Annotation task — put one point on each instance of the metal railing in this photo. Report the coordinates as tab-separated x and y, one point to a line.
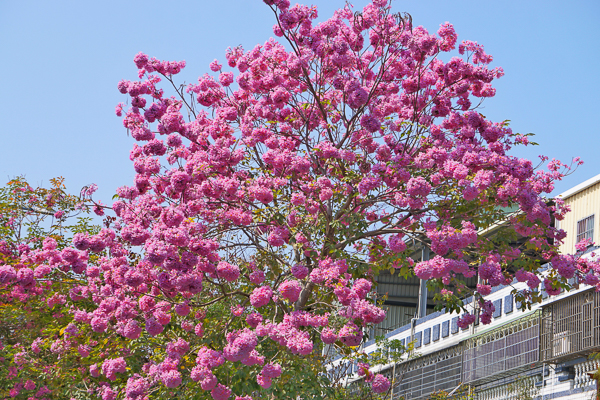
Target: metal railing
434	372
559	331
491	355
571	327
502	350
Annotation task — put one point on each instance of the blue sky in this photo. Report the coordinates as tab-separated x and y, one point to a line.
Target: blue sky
62	60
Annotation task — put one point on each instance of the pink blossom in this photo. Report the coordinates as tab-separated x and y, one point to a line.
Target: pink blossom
261	296
7	274
99	324
308	160
271	371
237	310
182	309
370	123
84	350
207	379
298	342
300	271
466	320
220	392
153	327
178	348
591	279
136	387
263	381
418	187
448	35
328	336
397	244
350	334
215	66
549	288
226	78
257	277
290	290
298	199
94	370
361	287
209	358
111	366
199	329
325	194
253	319
108	394
275	239
584	244
484	290
380	384
227	271
132	330
171	379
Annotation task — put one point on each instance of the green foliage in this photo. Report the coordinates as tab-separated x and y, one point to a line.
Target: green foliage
523	388
388	353
27	216
464	392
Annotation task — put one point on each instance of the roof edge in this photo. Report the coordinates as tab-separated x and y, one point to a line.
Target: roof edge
579	188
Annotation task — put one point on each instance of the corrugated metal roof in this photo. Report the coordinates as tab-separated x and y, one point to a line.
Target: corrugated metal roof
582	186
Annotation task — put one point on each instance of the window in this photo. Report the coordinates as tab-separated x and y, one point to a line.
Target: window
585	229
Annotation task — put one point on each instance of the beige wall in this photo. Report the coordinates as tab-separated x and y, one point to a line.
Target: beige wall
583	204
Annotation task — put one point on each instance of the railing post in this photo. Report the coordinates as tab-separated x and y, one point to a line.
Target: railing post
422	307
595	375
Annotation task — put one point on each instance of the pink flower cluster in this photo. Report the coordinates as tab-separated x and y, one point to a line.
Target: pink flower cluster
290	290
261	296
438	268
111	366
287	180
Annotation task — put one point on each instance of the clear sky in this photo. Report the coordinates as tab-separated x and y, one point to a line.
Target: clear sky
61	62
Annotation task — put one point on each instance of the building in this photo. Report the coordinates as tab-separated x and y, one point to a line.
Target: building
541	353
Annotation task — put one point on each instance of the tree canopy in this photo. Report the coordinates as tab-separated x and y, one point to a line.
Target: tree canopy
269	195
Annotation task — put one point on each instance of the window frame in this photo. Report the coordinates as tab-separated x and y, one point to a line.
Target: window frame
588	231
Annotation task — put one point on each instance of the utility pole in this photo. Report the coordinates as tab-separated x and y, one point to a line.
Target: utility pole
422	305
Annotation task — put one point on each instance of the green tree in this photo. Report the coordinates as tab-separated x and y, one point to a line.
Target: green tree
37	343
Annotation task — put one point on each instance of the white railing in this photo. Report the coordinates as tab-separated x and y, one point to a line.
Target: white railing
582	379
517	390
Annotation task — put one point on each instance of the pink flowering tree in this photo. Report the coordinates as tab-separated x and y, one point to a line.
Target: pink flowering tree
269	195
40	346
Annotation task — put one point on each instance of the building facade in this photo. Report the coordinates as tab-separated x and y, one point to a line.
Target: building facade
545	352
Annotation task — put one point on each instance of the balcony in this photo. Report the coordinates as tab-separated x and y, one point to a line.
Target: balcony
571	327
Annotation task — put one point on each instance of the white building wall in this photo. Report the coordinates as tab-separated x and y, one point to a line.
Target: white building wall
556	385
